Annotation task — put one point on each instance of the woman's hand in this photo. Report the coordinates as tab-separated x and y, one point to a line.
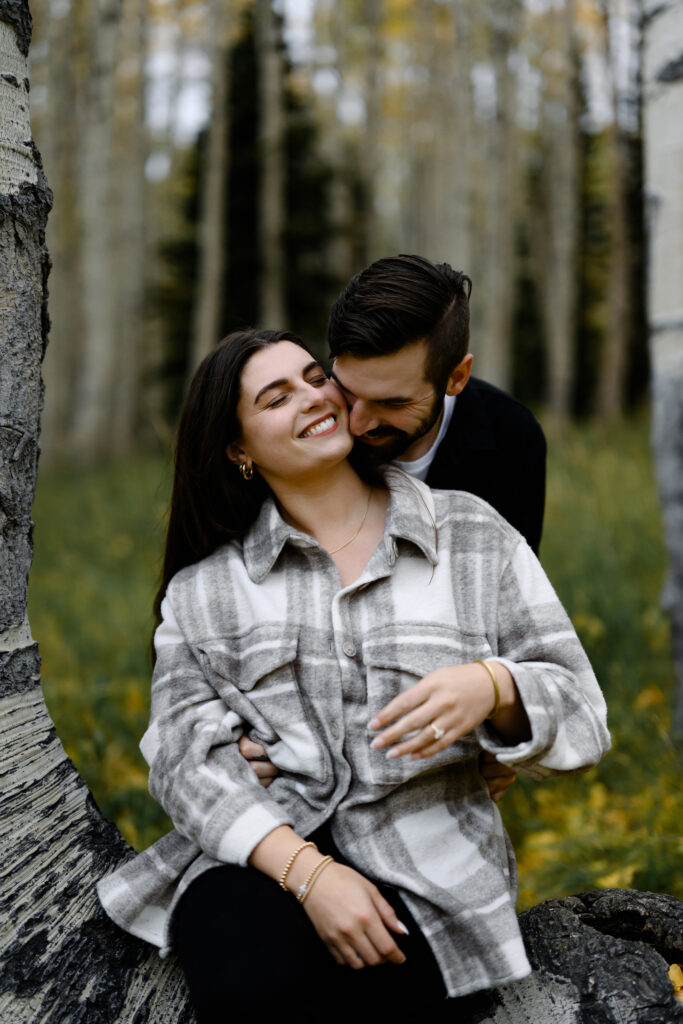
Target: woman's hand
446	705
353	919
348	912
255	754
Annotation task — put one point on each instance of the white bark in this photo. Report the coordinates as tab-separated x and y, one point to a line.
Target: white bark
58	143
558	248
663	87
130	256
61	960
18	164
212	231
500	184
98	357
272	312
370	144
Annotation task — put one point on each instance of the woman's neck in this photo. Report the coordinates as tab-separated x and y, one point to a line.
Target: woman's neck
329	506
345	515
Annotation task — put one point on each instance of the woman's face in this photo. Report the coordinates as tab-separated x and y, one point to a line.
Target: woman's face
294	420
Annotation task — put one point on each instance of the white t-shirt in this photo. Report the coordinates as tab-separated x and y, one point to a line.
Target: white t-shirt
420	467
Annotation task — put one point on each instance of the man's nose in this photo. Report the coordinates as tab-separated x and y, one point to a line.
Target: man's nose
361	418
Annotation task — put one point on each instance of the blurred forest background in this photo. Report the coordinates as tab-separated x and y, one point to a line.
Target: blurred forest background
217	163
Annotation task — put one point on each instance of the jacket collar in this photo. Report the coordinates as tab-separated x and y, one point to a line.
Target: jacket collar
410	517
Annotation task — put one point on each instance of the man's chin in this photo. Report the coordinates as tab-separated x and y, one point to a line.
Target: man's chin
380	450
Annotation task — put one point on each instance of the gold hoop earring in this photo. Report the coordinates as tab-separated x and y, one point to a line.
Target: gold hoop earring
247	471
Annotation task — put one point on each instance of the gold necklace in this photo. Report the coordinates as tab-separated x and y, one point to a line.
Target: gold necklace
362	523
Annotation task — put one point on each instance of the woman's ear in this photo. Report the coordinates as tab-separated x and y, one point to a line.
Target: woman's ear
235	453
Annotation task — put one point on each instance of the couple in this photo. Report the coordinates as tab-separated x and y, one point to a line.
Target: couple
374	636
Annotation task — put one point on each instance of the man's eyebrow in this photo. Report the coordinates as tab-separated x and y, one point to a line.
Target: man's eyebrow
283	381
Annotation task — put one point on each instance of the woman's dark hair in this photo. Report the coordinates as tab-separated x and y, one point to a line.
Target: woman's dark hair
211	502
400	300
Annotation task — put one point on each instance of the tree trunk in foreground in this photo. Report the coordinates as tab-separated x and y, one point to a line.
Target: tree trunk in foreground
599	958
663	81
60	958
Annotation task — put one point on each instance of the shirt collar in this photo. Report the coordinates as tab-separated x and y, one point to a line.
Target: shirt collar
410	516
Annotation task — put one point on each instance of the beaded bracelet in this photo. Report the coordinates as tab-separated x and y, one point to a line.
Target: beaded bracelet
495	686
306	886
288	865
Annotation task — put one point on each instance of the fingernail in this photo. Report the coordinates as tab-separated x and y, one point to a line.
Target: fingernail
376	743
374	724
402	928
393	753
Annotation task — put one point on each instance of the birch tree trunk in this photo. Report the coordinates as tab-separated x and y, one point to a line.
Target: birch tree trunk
98	356
557	250
58	145
369	149
212	216
610	396
61	960
129	277
271	148
501	184
663	81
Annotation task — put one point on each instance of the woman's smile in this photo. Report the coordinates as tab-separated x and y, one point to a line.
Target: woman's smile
325	425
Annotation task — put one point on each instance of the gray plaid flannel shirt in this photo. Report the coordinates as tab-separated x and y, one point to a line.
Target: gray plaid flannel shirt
259	638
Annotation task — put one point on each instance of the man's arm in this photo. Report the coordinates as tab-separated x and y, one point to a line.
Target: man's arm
498	777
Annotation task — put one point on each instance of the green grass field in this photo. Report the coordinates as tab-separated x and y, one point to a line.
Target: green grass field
98	541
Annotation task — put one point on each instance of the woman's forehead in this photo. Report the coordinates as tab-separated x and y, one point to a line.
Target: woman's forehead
281	361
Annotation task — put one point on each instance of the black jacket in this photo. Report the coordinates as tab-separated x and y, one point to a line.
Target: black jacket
495	448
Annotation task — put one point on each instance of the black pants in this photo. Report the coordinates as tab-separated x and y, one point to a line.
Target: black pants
248	949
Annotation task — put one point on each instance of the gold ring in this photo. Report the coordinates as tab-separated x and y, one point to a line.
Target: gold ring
438	733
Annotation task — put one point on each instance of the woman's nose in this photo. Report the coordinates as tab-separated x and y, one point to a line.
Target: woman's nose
311	396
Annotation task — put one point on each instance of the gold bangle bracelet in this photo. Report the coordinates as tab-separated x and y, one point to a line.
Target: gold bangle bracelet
496	706
288	865
306	886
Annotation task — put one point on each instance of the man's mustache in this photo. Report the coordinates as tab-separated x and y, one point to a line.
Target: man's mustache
380	432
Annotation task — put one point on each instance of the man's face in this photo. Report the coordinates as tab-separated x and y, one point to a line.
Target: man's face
393	410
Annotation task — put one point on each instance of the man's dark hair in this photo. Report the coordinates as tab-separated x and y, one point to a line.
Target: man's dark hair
400	300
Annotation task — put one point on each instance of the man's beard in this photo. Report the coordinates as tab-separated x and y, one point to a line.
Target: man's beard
397	441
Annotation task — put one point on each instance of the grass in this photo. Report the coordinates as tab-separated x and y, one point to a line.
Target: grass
98	541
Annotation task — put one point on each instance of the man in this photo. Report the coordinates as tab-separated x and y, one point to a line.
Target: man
399	338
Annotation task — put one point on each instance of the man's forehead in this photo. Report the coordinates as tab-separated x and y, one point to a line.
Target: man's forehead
396	375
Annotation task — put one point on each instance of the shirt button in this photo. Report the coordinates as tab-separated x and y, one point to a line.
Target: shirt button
334	730
348	649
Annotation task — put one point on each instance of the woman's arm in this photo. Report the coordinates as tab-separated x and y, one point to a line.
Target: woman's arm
196	771
552	715
348	912
446	705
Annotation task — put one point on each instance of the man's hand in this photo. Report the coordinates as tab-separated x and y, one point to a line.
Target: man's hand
498	777
255	754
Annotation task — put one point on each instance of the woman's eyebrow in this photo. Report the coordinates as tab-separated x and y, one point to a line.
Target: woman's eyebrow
283	381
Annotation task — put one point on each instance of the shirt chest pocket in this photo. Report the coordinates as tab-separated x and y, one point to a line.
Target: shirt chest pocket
256	677
396	659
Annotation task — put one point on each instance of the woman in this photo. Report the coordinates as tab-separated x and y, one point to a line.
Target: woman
374	637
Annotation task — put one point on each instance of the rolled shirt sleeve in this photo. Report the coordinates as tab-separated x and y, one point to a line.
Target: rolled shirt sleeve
197	773
538	645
